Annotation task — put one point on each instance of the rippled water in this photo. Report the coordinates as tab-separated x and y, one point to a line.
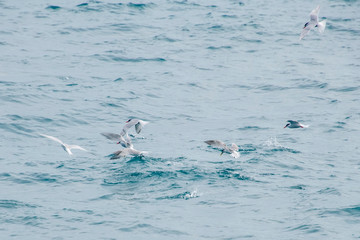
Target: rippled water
196	70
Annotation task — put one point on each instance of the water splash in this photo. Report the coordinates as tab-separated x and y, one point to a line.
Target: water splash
272	142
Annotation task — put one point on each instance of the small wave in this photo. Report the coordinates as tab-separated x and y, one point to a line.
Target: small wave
112	105
329	190
82	4
53	7
272	88
8	84
138	177
353	211
220	47
230	173
162	37
16	128
308	228
15	204
298	187
124	59
184	195
44	177
148	228
251	128
140	6
216	27
73	29
344	89
254	41
312	85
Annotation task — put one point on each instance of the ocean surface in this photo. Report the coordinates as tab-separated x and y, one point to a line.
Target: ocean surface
196	70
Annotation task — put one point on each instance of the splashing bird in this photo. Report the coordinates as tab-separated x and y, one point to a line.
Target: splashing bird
129	151
233	150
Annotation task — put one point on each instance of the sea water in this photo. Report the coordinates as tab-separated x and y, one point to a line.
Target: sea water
197	70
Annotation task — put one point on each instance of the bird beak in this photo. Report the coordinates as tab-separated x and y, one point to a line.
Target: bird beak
286	125
118	143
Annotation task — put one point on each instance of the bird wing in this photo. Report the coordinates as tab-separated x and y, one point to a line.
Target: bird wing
52	138
76	147
293	122
216	143
314	14
112	136
138	127
116	154
306	30
117	137
129	125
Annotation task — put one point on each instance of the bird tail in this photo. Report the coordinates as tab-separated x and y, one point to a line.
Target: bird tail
235	154
321	26
143	123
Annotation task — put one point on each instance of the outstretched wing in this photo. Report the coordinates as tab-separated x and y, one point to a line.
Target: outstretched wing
138	127
76	147
306	30
112	136
116	155
293	122
52	138
129	125
216	144
314	14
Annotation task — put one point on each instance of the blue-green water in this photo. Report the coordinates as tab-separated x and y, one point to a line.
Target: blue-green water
196	70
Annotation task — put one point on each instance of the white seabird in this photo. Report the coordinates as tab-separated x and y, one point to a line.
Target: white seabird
295	124
314	22
139	124
233	150
123	138
126	152
65	146
119	138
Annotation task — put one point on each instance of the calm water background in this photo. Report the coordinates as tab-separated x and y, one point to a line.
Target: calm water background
196	70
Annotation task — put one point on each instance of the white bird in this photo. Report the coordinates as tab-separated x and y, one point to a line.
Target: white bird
123	138
295	124
119	138
139	124
127	151
233	150
65	146
314	22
